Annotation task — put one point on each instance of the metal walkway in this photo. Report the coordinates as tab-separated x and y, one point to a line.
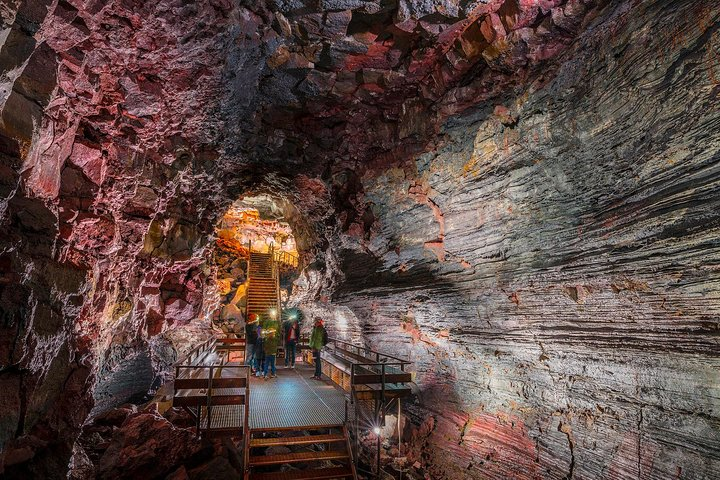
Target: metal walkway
293	400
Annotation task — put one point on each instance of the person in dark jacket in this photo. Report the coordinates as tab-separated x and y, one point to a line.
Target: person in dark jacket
292	337
250	341
259	351
318	340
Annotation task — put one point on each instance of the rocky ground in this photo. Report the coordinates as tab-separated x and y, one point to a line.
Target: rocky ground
129	442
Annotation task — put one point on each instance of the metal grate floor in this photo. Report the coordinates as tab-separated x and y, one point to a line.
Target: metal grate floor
293	399
224	417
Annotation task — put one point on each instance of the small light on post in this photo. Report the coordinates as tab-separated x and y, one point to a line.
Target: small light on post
376	430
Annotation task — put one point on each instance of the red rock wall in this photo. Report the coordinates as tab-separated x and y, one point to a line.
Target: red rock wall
103	125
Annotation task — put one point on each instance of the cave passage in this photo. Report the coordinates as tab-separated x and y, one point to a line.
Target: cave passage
252	224
495	223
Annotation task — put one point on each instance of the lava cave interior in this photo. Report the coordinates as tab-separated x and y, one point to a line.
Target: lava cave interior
507	213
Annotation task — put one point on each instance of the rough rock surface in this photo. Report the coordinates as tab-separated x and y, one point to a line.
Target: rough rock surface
552	266
520	195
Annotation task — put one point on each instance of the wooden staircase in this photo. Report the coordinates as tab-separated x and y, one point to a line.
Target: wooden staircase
313	455
263	287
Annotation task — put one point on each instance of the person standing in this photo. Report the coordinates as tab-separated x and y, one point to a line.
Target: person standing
292	336
250	341
318	339
259	350
270	346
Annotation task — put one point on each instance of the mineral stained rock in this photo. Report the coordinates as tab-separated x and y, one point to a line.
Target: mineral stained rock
521	196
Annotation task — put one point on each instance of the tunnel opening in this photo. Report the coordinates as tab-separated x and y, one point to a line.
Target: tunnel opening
251	224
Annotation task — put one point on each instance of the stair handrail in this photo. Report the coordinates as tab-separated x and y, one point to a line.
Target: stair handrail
380	358
276	274
194	354
247	288
282	256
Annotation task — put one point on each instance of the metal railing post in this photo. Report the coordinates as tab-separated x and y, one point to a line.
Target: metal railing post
382	389
352	381
209	398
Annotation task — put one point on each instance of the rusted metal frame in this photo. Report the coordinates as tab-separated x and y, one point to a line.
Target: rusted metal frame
209	398
246	426
349	450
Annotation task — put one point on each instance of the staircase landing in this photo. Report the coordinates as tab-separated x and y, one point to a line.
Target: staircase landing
293	400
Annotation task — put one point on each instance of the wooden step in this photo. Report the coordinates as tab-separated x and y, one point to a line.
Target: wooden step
308	474
303	440
297	457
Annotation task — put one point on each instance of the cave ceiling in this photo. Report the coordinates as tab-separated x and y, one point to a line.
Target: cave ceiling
285	87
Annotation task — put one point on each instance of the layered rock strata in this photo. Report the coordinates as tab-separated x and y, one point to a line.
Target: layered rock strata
552	266
519	195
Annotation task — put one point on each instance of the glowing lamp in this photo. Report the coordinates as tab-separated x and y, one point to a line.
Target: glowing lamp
376	430
273	312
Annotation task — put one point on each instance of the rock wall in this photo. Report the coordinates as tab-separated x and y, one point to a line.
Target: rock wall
101	244
520	195
552	267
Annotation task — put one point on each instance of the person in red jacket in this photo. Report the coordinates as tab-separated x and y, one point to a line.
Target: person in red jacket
292	337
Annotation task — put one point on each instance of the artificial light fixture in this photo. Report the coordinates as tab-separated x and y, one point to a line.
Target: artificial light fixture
376	430
273	312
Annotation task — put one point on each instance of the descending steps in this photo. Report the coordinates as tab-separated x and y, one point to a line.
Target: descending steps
213	392
314	455
319	474
302	440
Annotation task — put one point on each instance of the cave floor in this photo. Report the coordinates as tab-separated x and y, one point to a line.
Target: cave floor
293	399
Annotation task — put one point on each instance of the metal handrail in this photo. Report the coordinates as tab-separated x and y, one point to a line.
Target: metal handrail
376	353
211	371
194	354
287	258
247	288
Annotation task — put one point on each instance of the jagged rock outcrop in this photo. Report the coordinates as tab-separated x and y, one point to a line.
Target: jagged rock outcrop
519	195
